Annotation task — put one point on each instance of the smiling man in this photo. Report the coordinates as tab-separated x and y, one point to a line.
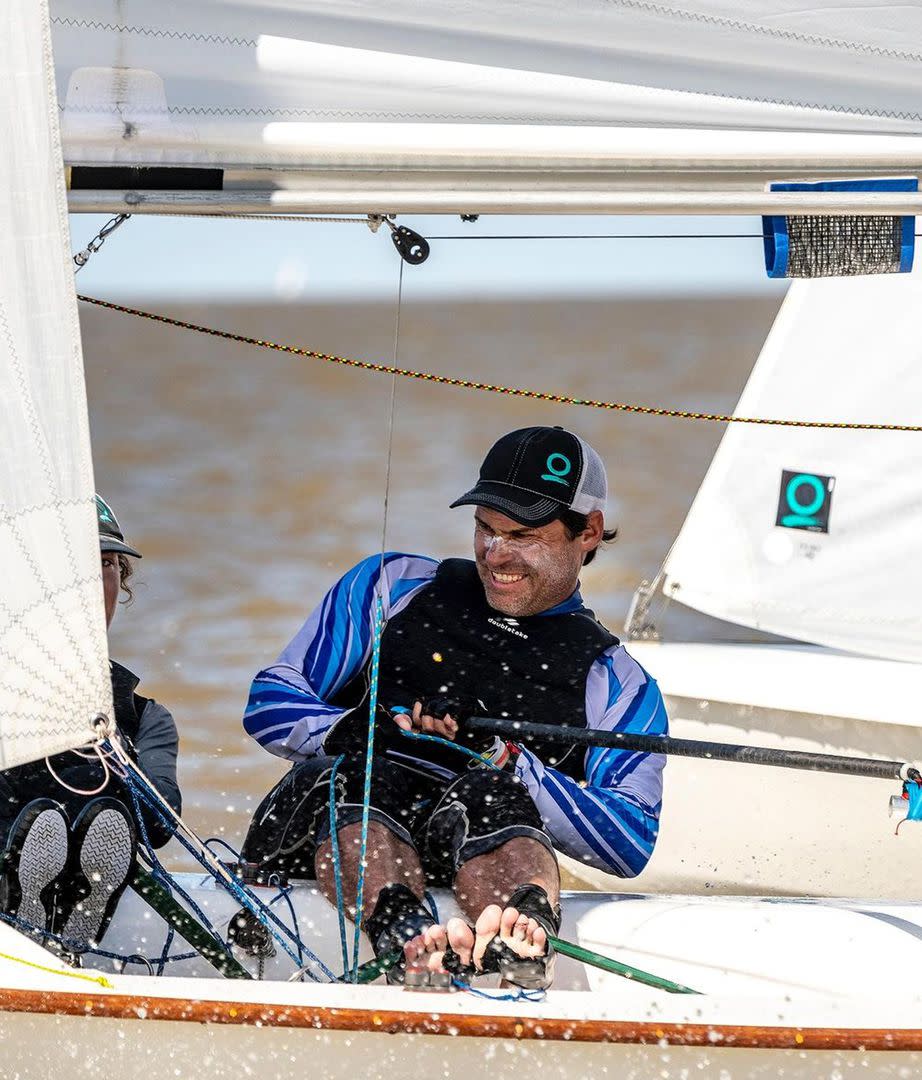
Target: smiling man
506	635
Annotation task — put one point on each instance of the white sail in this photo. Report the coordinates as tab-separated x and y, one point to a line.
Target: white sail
53	657
260	81
816	534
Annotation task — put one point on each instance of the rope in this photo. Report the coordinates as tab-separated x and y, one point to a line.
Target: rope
337	865
97	752
479	758
533	997
494	388
373	221
100	979
376	652
138	784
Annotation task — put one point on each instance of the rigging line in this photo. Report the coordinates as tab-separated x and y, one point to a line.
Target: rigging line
373	221
606	236
613	236
495	388
376	650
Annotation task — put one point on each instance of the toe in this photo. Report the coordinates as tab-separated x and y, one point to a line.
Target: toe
487	927
436	944
414	948
461	939
507	921
520	930
539	940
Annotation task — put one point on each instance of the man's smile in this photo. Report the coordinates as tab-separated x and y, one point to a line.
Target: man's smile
506	579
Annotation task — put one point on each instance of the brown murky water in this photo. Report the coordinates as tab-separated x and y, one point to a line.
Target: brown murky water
251	479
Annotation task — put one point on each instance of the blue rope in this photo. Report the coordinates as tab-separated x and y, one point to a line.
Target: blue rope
80	946
217	840
240	893
337	866
453	745
366	791
284	893
158	870
433	907
534	997
165	951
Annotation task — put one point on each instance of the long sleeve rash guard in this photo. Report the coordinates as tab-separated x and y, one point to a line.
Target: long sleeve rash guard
609	820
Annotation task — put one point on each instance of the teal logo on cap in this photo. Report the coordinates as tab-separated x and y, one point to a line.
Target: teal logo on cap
558	466
103	512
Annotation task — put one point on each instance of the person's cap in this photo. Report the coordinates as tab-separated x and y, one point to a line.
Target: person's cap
533	475
111	537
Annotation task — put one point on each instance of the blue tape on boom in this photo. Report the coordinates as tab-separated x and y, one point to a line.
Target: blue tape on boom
811	246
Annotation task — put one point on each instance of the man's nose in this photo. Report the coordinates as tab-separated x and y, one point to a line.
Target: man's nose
496	550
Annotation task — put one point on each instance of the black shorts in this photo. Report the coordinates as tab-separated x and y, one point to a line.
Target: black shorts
446	821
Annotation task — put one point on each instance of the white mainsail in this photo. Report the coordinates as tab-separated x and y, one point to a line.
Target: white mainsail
816	534
271	83
53	656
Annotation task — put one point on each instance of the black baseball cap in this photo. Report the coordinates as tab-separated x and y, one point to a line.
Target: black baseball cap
111	537
534	474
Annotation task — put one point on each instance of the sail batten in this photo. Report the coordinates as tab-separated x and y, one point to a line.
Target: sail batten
53	657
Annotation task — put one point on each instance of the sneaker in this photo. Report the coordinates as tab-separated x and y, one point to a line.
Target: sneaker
103	855
35	856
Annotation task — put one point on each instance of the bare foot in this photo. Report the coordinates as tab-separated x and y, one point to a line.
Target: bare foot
520	933
428	948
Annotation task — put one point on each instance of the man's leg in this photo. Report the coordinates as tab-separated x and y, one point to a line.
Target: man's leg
389	860
484	886
506	877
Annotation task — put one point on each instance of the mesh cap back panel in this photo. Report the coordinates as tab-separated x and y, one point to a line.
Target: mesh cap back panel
592	492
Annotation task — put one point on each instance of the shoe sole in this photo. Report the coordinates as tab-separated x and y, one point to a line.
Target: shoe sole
42	858
105	860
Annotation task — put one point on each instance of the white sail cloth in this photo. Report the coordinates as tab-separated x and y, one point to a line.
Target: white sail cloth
816	534
53	656
247	82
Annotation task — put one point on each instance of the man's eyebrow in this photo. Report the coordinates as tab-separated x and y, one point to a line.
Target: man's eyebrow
523	530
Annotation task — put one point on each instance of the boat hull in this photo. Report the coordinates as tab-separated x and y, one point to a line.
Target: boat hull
742	829
787	987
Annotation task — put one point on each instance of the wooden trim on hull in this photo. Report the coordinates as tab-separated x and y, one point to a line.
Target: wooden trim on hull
124	1007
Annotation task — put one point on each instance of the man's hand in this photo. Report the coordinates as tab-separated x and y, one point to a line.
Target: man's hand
446	727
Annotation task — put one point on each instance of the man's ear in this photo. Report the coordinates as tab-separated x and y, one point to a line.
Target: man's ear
591	536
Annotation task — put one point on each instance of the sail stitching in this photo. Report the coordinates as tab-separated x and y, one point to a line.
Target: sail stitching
41	450
781	33
263	112
497	388
150	31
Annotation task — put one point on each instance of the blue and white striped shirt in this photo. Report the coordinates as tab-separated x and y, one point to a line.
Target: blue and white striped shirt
608	821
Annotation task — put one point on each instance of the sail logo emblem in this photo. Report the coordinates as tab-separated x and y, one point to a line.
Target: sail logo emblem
805	500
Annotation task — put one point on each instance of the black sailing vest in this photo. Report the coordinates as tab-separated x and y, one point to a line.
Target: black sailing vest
448	642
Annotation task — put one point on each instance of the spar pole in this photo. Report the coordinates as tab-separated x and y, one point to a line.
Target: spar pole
523	731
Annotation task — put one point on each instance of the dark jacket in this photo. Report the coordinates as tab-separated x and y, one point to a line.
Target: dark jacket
153	739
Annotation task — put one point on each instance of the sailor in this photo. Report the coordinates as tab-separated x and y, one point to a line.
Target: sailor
68	830
505	635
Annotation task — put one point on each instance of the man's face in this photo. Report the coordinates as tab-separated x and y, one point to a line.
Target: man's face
110	583
526	570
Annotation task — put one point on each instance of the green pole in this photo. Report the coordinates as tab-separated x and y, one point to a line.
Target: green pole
369	972
150	890
587	956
